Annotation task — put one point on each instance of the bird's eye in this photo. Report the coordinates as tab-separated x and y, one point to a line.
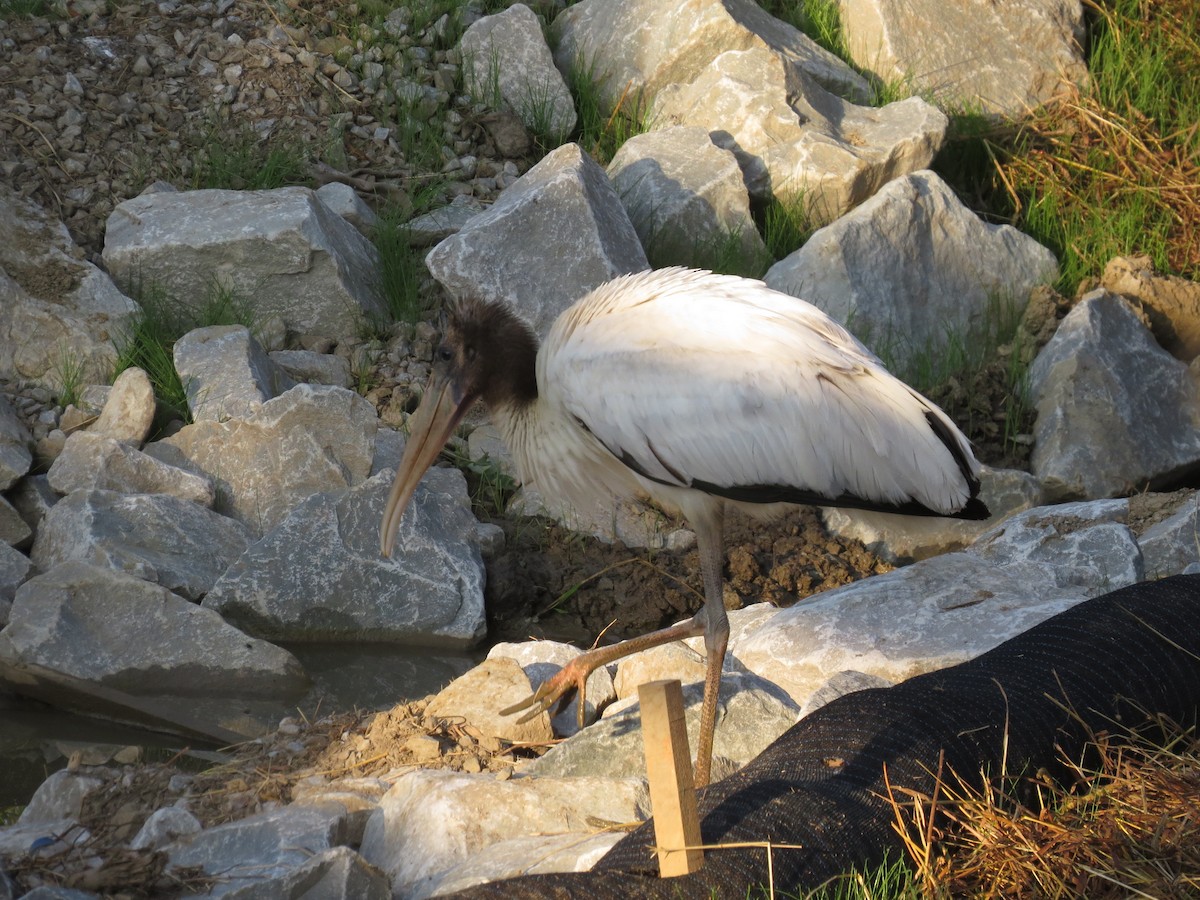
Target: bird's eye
445	354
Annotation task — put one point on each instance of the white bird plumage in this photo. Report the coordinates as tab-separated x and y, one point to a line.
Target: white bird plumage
690	376
699	390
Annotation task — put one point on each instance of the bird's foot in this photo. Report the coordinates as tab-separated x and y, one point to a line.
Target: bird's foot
557	691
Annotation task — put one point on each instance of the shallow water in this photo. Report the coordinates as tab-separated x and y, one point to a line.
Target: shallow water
37	739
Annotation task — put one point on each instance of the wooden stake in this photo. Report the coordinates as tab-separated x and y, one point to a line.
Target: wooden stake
669	770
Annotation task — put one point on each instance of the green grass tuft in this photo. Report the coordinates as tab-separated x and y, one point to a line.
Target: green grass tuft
70	375
28	9
241	159
150	341
601	132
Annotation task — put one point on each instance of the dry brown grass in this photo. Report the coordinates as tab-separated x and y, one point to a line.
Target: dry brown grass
1126	823
1113	167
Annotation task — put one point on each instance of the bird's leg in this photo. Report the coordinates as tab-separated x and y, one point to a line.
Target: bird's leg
572	678
709	528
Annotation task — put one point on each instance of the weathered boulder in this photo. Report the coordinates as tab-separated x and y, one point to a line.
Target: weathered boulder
506	63
163	826
345	202
687	199
282	250
178	544
795	141
477	696
565	202
32	498
94	462
999	58
111	629
61	796
226	373
14	569
313	367
531	855
128	410
57	311
253	857
1115	412
1170	546
319	575
311	439
951	608
436	225
433	820
633	64
14	530
862	269
16	445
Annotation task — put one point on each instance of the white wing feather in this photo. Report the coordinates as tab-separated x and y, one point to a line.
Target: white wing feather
698	377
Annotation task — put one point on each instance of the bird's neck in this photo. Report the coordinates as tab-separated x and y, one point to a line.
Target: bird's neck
510	363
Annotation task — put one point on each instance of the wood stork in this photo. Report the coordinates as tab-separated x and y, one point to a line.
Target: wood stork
701	391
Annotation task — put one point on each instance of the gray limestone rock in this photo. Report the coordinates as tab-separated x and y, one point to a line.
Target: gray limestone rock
129	408
506	62
14	530
175	543
1115	412
313	438
313	367
319	574
57	312
14	569
951	608
795	141
226	373
687	199
16	445
94	462
912	269
1000	58
114	630
636	48
251	856
565	202
433	820
1173	544
282	250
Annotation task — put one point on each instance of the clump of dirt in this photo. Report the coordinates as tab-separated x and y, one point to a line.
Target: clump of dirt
549	583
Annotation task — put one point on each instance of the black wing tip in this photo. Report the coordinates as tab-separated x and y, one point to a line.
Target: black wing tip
975	509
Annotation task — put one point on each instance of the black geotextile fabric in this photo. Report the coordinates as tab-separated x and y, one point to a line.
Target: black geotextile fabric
821	785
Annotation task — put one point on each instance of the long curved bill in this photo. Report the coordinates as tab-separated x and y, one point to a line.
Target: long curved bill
429	429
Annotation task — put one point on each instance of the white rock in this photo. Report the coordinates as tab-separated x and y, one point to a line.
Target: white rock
434	820
163	826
